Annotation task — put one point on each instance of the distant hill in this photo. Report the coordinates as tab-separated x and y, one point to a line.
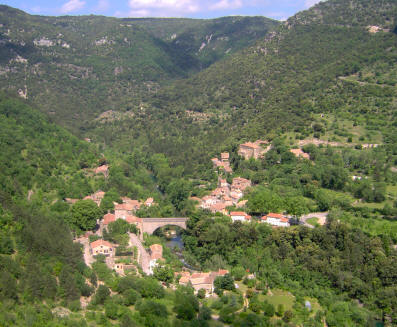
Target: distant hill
338	57
74	68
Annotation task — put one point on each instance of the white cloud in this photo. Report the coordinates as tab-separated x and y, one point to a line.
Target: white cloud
103	5
311	3
72	5
226	4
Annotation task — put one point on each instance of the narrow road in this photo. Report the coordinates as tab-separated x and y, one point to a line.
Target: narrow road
143	255
322	218
88	258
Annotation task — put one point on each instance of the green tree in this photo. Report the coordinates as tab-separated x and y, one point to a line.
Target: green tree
164	273
84	214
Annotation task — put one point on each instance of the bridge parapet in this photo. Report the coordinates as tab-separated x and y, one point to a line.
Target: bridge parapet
149	225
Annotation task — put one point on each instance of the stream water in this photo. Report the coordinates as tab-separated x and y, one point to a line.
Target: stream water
175	243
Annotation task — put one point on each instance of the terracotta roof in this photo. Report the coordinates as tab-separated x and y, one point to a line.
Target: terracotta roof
132	219
225	155
275	215
124	206
99	194
156	251
238	213
149	201
222	272
218	206
108	218
97	243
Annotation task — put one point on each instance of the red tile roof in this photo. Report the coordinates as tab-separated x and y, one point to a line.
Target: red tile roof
97	243
108	218
240	213
132	219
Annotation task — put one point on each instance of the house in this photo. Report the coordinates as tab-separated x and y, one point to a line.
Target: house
104	169
241	204
225	157
219	207
201	280
239	216
253	149
222	182
134	203
108	218
96	197
275	219
300	154
71	201
240	183
156	254
223	163
149	202
122	210
249	150
102	247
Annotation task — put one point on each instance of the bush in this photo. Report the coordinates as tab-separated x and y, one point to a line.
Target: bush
111	310
150	307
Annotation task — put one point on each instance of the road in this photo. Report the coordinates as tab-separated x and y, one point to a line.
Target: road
88	258
143	255
322	218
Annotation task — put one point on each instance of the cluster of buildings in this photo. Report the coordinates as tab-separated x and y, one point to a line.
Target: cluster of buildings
224	163
200	280
225	195
253	149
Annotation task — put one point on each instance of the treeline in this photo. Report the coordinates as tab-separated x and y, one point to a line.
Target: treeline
331	263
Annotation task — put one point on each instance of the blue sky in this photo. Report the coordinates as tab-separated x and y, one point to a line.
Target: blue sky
277	9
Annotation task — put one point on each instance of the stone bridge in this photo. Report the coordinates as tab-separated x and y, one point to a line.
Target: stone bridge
149	225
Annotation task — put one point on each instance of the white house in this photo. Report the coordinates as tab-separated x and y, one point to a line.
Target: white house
275	219
239	216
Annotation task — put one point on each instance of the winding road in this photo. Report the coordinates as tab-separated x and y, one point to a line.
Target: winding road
143	255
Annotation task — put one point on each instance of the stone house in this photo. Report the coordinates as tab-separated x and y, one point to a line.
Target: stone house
254	150
102	247
201	280
156	254
96	197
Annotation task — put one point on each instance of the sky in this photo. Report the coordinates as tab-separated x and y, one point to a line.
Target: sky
276	9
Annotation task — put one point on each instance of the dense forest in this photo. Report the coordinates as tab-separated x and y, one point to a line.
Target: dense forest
133	110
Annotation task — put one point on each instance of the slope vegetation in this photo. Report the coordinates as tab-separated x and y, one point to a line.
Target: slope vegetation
75	68
317	62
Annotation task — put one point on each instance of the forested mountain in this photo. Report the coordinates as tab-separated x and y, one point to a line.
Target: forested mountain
74	68
154	100
317	62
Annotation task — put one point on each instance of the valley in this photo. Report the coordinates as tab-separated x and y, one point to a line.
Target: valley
237	171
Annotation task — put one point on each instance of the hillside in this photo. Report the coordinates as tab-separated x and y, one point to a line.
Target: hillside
208	40
310	65
75	68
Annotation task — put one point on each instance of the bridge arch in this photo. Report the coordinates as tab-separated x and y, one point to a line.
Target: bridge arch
149	225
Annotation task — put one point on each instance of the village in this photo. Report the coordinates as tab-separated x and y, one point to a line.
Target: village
224	199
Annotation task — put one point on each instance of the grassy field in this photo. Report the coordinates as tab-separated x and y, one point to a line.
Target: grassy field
277	297
313	221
